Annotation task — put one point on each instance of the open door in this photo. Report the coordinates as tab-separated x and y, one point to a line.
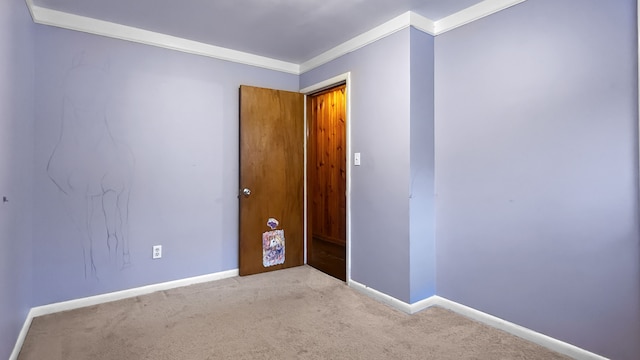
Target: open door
327	181
271	180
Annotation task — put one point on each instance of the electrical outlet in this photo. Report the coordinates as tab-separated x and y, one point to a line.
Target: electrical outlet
157	251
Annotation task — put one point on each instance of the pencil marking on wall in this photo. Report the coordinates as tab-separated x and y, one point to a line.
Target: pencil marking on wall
91	168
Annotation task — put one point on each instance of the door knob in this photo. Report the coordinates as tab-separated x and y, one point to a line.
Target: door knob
246	192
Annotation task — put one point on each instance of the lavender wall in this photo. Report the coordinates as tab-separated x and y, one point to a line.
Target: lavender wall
16	169
134	144
537	170
380	85
535	166
421	201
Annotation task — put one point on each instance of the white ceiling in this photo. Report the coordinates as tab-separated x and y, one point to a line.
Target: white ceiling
293	31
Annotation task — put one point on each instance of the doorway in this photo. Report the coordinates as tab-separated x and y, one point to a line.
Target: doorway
271	180
327	180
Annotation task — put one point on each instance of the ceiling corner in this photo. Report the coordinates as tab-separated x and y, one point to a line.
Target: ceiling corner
85	24
89	25
398	23
423	24
473	13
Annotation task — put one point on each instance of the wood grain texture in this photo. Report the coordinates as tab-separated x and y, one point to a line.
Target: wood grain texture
272	167
326	181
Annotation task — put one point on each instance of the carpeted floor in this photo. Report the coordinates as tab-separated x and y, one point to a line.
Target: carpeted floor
298	313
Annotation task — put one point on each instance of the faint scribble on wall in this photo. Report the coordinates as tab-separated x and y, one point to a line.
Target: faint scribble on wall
91	168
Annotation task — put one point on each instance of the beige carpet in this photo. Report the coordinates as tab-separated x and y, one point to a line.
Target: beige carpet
298	313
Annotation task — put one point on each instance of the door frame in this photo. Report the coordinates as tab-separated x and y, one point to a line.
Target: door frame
329	83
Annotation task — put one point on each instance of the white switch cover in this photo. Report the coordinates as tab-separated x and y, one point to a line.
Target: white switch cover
356	159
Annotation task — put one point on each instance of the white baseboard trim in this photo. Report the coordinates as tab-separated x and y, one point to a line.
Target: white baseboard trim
391	301
517	330
380	296
104	298
493	321
22	336
124	294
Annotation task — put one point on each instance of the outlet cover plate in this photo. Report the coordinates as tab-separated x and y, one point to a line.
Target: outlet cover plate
157	251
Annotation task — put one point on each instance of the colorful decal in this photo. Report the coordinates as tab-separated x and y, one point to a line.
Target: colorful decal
273	223
273	248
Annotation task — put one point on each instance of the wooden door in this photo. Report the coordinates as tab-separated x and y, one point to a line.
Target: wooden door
272	171
327	181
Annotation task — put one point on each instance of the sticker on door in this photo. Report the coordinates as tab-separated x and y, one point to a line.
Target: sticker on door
273	248
273	223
